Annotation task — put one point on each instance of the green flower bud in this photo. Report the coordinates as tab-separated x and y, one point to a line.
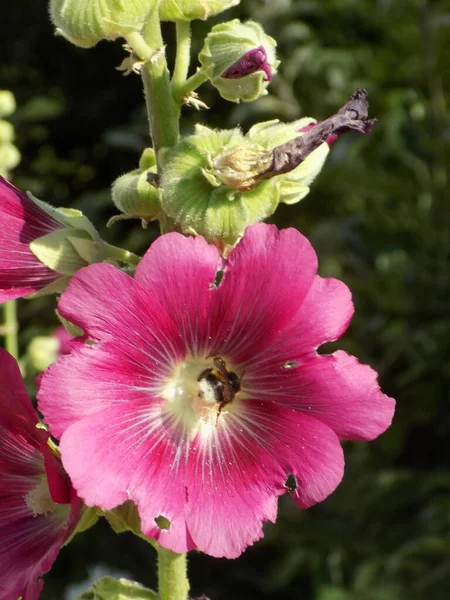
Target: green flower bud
239	60
215	183
187	10
7	103
6	132
86	22
43	351
9	158
133	193
109	588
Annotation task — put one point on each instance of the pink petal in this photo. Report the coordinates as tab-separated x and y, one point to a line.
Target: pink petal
131	457
179	273
336	390
215	495
323	317
233	483
16	411
14	203
82	384
29	544
137	350
21	273
266	279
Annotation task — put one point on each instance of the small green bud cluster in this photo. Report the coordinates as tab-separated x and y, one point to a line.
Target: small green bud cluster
9	154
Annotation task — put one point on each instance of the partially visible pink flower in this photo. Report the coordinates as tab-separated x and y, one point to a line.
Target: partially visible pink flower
21	222
38	506
330	139
203	398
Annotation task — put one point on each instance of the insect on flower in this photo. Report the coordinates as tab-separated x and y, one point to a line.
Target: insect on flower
218	384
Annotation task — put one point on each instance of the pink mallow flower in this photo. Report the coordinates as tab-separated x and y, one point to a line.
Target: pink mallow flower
38	506
203	398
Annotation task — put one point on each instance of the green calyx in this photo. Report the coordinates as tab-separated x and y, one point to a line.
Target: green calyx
224	46
188	10
135	193
86	22
212	183
74	245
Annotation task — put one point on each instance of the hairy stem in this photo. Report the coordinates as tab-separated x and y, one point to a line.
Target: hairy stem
183	56
173	583
190	85
161	107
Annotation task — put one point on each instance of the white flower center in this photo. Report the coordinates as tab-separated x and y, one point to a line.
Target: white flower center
201	392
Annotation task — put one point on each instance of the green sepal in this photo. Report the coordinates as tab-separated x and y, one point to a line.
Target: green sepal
109	588
69	217
88	518
74	330
55	287
87	249
56	251
125	518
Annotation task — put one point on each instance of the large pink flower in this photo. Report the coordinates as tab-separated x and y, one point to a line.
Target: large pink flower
142	414
21	222
38	506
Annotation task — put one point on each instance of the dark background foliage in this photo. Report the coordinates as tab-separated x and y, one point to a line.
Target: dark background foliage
379	218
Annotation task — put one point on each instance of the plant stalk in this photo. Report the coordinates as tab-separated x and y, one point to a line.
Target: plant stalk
10	328
163	114
173	583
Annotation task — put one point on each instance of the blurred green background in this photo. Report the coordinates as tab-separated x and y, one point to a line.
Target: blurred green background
378	216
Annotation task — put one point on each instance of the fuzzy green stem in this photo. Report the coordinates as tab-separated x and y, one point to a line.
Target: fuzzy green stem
120	254
190	85
161	107
173	583
183	57
10	328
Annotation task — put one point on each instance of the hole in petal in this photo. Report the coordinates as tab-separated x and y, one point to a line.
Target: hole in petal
219	276
291	483
163	522
290	364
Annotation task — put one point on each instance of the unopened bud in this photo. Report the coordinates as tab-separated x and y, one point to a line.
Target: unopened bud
133	193
7	103
188	10
239	60
86	22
